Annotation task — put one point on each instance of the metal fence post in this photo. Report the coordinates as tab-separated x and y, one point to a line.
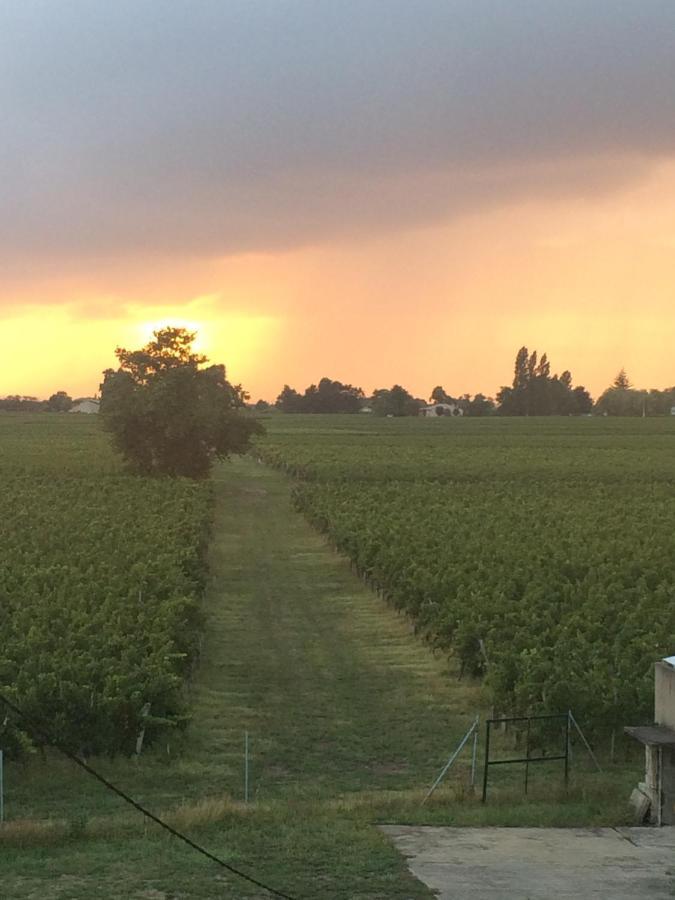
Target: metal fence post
527	756
583	738
487	757
451	760
246	767
473	755
567	747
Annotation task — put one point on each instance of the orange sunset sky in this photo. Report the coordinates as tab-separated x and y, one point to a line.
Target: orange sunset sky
376	192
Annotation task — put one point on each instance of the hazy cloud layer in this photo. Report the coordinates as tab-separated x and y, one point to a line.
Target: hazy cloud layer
213	126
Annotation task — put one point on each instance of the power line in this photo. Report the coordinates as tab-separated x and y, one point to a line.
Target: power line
41	732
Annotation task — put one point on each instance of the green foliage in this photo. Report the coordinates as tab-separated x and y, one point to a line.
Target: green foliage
100	576
535	392
622	399
617	401
59	402
395	402
539	552
168	416
438	395
480	405
327	397
289	400
622	381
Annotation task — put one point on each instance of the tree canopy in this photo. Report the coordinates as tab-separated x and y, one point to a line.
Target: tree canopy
327	397
535	392
479	405
60	402
168	415
622	399
622	381
395	401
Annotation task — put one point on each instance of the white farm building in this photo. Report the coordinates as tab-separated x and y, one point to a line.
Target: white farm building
441	409
87	405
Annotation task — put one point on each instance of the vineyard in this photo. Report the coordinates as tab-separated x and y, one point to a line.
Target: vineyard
100	574
540	552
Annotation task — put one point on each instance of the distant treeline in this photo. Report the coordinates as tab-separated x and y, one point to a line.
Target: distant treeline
535	391
58	402
335	397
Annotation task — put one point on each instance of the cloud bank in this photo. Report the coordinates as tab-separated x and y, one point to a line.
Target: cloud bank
214	127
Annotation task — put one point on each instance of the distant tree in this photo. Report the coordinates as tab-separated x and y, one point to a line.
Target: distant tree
169	416
583	402
535	391
521	369
395	401
622	382
22	403
480	406
506	401
438	395
659	403
532	366
332	397
262	406
289	400
513	401
616	401
619	400
543	370
59	402
327	397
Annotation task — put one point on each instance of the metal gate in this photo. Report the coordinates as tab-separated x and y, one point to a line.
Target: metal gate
527	759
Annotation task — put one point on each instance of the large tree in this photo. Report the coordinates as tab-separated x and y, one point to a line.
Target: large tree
59	402
438	395
327	397
536	392
289	400
479	406
332	397
622	381
395	401
167	413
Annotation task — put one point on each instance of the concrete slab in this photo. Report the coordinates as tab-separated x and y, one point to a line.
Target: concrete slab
540	863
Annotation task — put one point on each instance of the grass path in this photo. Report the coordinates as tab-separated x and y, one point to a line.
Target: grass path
337	694
350	718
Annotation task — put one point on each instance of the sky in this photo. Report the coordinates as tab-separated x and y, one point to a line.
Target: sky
377	191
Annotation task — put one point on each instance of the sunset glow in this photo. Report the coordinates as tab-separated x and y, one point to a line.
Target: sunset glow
362	254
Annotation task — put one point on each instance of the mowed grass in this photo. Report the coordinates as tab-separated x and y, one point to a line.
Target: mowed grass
350	717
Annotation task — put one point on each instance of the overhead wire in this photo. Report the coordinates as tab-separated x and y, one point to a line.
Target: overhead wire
43	733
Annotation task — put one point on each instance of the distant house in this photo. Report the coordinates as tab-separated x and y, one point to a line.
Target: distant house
87	405
441	409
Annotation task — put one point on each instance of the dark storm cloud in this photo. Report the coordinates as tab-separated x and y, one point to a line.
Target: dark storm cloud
211	127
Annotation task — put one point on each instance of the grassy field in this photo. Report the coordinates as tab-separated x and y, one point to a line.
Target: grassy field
350	718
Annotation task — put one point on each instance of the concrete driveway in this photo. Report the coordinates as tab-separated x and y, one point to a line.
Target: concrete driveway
540	863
